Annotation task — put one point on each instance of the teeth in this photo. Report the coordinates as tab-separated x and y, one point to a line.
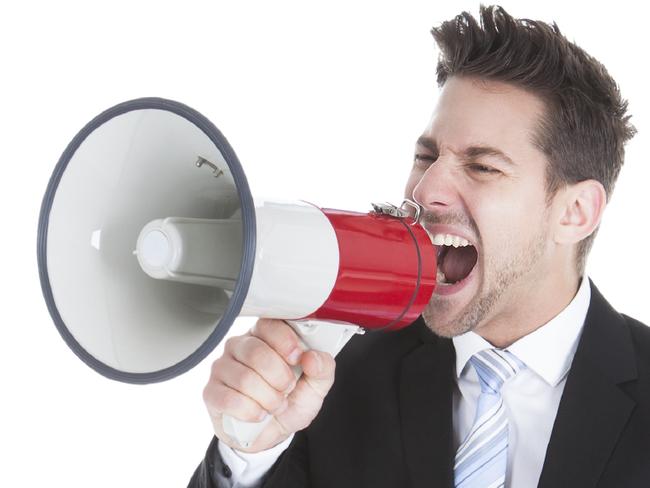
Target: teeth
449	240
439	240
440	277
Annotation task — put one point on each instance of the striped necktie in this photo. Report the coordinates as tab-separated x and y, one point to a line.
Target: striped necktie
481	458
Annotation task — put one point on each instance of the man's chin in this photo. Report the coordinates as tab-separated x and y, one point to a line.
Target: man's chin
444	321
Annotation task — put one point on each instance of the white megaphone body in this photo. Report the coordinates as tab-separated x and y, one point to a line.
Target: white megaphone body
150	245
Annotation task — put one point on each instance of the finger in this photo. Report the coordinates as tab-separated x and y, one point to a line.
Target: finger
318	368
248	382
281	337
256	354
223	400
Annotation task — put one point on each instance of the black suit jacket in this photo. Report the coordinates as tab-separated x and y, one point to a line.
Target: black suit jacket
387	422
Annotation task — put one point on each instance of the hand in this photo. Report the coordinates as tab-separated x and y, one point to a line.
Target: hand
254	377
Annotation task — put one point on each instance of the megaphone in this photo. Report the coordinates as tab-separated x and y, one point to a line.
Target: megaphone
150	245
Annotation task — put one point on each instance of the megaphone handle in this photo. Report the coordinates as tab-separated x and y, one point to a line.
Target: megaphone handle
318	335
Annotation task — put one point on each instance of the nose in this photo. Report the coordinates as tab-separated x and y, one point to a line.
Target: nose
437	188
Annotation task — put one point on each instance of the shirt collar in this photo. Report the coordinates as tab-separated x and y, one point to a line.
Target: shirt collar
548	351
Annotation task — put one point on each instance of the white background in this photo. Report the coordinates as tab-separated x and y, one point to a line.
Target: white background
321	101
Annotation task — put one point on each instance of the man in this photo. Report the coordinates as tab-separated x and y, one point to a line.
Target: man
519	373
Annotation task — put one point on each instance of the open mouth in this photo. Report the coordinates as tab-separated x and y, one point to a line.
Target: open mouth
456	258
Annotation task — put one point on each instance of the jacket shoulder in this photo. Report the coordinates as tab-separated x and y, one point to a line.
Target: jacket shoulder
640	330
640	334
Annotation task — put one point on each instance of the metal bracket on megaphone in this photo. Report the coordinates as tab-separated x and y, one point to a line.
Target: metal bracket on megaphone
399	212
315	335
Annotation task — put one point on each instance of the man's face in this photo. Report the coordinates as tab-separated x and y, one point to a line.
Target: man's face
480	179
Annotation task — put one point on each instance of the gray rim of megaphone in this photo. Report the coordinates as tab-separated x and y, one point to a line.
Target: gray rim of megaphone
249	240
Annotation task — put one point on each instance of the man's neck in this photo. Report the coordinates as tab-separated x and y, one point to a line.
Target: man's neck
541	306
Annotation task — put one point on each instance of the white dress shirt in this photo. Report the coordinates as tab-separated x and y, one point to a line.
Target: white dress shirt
531	398
248	468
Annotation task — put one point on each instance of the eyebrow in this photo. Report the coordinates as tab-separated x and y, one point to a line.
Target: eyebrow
472	152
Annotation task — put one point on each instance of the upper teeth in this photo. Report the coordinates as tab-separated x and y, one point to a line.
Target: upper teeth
449	240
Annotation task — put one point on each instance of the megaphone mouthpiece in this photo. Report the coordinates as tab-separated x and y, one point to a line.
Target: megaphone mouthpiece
195	251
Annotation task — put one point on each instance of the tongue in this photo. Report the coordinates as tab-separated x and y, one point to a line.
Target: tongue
458	262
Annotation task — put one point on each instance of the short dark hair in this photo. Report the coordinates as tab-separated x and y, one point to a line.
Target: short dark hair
584	128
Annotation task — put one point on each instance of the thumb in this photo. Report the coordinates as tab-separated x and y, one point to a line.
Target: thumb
318	368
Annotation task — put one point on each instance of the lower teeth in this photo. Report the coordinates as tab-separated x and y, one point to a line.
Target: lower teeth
441	278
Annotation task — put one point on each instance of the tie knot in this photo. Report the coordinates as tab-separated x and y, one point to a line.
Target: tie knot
494	367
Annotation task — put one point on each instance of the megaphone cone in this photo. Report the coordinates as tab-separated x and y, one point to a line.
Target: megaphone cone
130	165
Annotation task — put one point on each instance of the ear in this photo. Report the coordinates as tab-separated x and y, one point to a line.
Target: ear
581	207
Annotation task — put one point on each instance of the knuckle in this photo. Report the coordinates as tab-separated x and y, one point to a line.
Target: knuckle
265	362
231	401
288	341
256	352
231	343
288	336
279	376
289	379
276	402
262	327
222	369
248	410
248	380
210	397
216	366
207	397
269	400
253	414
278	334
247	351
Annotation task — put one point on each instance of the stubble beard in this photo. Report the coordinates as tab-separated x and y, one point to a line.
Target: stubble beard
438	313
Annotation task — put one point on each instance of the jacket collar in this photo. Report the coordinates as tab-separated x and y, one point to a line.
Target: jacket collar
425	395
593	410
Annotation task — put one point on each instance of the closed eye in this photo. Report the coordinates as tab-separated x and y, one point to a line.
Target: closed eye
481	168
424	159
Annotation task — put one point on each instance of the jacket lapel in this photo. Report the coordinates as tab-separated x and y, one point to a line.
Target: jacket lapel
425	395
593	410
